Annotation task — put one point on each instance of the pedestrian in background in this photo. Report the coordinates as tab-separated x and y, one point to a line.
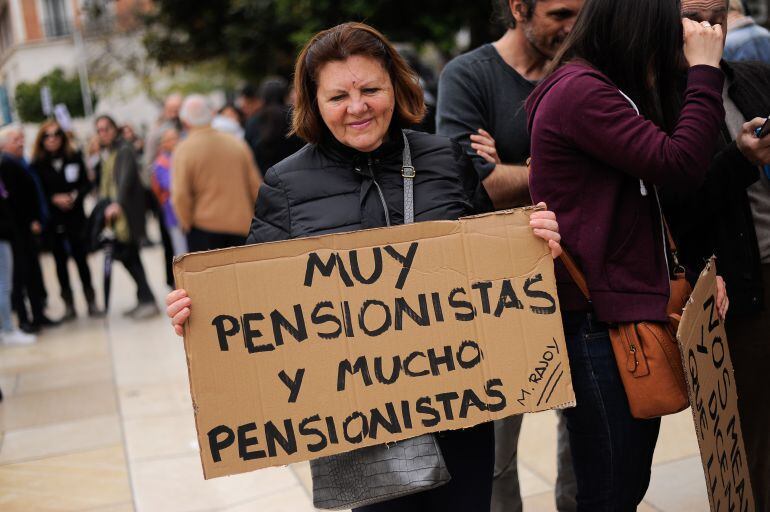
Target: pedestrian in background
597	160
161	186
168	119
24	198
128	134
268	132
229	119
64	177
122	197
214	181
9	334
481	106
249	103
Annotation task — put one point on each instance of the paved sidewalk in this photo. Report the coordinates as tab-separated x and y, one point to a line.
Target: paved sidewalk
97	417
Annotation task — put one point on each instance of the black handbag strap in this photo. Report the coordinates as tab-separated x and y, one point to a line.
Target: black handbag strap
408	172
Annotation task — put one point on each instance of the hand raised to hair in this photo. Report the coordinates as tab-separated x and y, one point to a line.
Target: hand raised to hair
703	43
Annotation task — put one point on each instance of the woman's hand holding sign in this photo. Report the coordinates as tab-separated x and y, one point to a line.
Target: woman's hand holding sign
178	309
545	226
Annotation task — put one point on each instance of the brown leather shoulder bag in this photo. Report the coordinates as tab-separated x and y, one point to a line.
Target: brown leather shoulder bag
647	353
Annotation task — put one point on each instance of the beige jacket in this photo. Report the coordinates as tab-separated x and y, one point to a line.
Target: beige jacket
214	182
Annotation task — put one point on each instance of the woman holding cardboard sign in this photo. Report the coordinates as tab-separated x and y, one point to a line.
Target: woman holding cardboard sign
363	169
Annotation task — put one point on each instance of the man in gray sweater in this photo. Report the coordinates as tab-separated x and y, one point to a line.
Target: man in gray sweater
481	98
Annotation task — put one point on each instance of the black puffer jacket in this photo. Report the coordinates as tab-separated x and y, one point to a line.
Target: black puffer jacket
331	188
7	222
22	195
66	176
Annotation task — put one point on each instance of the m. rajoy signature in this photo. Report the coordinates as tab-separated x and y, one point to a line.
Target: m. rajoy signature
544	372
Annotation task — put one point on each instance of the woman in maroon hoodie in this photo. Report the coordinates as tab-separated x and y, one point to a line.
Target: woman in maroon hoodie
596	162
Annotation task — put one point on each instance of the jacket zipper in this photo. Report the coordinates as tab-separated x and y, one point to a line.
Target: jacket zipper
379	191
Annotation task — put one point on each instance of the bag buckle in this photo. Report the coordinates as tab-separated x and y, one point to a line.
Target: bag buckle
408	171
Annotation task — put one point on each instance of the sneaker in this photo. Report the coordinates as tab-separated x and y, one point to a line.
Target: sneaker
145	310
17	337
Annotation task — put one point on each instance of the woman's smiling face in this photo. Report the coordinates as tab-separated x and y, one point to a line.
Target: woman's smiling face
356	101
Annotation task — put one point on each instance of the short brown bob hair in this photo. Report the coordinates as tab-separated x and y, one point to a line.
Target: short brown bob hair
337	44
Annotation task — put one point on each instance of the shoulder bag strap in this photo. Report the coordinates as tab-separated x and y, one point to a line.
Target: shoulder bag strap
408	172
666	230
575	273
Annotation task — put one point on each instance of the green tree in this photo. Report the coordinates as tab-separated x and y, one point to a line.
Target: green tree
64	89
261	37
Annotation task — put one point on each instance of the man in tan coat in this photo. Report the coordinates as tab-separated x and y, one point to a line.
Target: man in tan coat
214	181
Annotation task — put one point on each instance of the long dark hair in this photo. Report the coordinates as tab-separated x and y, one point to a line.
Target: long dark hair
39	153
629	40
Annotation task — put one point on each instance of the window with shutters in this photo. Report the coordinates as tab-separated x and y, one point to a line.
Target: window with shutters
55	18
6	29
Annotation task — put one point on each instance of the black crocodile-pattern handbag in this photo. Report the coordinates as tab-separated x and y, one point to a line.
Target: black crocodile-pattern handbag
378	473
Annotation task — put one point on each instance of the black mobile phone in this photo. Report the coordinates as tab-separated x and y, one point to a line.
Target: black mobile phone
765	129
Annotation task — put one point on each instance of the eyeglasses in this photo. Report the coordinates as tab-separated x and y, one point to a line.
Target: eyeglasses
52	135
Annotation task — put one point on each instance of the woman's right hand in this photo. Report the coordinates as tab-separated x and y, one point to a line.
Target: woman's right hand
178	309
703	43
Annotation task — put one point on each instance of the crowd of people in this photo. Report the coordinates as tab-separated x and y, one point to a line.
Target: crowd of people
615	114
45	192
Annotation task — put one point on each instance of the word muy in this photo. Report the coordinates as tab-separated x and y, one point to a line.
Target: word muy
314	262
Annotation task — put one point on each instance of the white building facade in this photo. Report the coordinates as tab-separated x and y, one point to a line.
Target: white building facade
38	36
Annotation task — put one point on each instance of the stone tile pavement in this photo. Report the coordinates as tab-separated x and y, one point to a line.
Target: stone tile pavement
97	417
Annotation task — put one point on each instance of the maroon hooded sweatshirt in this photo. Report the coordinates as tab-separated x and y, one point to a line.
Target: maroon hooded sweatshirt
596	163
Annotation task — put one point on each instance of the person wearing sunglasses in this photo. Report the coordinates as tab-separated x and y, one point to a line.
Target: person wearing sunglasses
65	183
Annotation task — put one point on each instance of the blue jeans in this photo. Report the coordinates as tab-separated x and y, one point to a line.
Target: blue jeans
6	284
611	450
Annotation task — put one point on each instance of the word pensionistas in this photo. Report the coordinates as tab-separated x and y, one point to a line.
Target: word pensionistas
329	320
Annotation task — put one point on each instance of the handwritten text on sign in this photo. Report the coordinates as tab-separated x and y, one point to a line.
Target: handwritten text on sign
714	400
313	347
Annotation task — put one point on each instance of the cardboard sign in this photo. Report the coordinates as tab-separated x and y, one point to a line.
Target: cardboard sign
316	346
714	401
